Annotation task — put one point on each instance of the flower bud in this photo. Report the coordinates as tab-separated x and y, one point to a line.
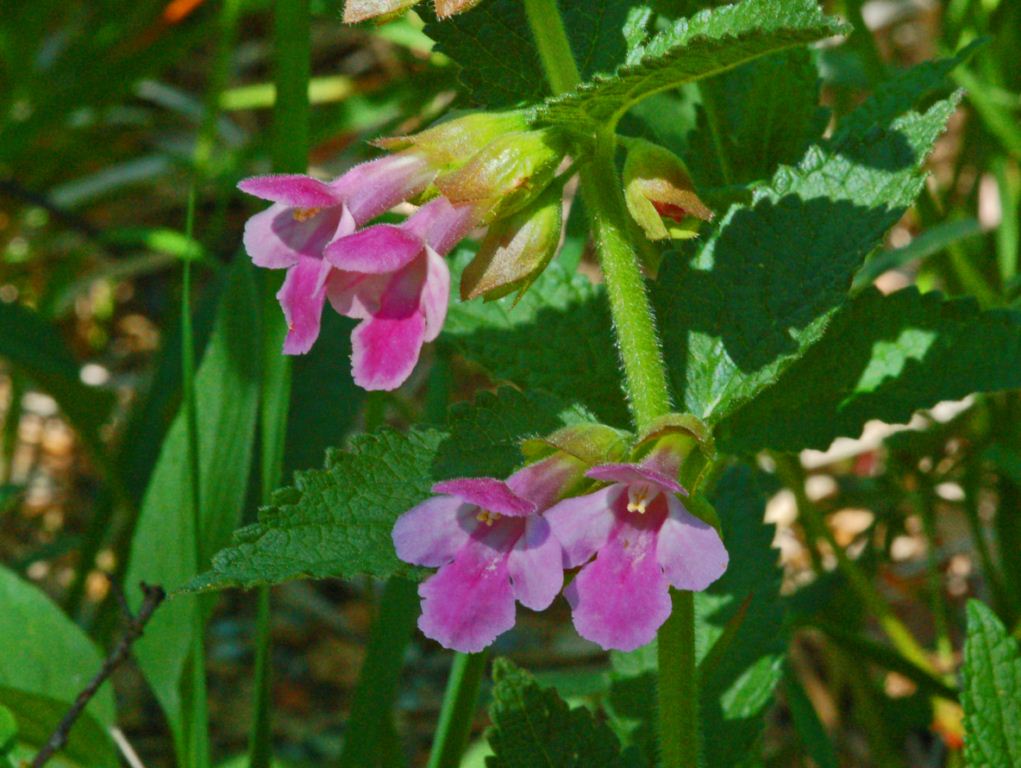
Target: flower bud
506	174
657	186
450	143
381	10
515	250
590	443
445	8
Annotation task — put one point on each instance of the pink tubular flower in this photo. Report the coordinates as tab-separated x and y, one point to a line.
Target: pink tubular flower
646	541
307	214
492	547
393	278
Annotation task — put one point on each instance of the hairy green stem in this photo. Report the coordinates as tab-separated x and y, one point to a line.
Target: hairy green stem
290	155
644	371
458	710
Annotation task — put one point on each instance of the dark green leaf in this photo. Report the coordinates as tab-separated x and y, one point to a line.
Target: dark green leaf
496	53
710	42
38	716
883	357
763	287
336	522
163	549
992	692
811	732
557	338
534	727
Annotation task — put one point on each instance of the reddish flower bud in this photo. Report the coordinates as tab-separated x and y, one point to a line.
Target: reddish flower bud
656	187
450	143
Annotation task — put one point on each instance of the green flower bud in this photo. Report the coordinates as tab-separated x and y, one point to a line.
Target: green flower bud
657	186
516	249
380	10
450	143
590	443
506	174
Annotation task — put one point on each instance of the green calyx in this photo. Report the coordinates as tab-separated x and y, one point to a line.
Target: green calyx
658	190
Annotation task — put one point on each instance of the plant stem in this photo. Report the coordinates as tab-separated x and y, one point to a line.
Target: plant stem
458	711
644	372
290	155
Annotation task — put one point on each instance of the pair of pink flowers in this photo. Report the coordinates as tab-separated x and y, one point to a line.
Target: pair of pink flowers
499	542
391	277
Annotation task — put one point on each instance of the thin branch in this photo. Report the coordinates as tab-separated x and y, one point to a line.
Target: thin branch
153	596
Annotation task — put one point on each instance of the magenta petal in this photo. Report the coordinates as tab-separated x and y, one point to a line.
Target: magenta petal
534	565
353	294
433	532
689	550
468	602
294	190
374	250
487	493
582	524
302	305
384	351
634	473
440	224
435	294
264	244
621	598
377	186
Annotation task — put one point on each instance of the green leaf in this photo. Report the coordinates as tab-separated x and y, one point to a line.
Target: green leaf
479	42
765	284
336	522
162	550
46	661
883	357
764	113
38	716
992	692
533	726
710	42
34	347
811	731
558	338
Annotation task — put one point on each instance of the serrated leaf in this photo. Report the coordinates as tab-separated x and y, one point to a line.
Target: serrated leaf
991	693
336	522
765	284
884	357
710	42
558	338
163	549
533	727
765	113
481	41
45	660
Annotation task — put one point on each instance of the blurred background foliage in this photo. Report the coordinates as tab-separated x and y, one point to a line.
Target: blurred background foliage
109	110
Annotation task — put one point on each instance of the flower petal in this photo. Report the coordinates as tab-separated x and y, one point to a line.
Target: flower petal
634	473
534	565
384	351
275	239
621	598
546	481
689	550
302	305
372	188
433	532
294	190
441	224
374	250
435	293
487	493
354	294
582	524
468	602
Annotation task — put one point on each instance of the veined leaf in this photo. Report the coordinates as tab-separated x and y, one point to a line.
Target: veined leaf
710	42
992	692
336	522
883	357
763	287
163	549
557	338
45	660
533	726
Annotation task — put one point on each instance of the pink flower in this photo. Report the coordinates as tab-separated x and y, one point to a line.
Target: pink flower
492	547
394	279
307	214
646	542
